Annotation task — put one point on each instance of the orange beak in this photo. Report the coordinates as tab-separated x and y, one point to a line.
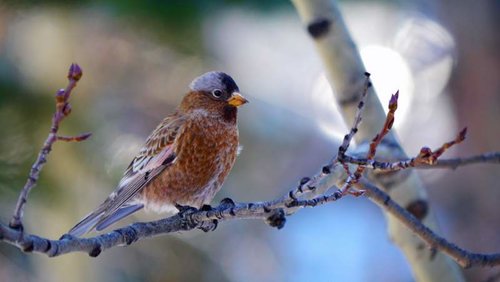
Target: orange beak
237	100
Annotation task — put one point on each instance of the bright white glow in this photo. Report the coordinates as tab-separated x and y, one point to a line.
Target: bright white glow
390	73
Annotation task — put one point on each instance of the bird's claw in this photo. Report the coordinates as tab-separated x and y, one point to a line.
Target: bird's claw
185	210
184	214
209	225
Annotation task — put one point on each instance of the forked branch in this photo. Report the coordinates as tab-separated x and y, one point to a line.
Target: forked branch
63	109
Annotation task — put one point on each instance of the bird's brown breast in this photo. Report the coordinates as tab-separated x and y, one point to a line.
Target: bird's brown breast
206	150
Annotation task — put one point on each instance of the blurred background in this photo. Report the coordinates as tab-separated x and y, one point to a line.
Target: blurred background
138	58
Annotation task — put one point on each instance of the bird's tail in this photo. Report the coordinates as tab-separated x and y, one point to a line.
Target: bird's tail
99	219
87	223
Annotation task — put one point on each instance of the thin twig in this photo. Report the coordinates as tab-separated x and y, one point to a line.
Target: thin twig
357	118
463	257
389	121
493	158
426	158
63	109
348	138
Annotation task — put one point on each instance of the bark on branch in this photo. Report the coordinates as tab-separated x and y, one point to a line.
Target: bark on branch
63	109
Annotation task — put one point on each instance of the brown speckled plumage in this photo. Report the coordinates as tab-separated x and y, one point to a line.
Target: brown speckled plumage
184	161
206	149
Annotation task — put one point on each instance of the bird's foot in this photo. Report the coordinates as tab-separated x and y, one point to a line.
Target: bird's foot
184	213
185	210
206	226
209	225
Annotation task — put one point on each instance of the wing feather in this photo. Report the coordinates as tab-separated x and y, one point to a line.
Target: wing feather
157	154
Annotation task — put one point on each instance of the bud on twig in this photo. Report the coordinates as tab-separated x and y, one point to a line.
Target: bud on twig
75	72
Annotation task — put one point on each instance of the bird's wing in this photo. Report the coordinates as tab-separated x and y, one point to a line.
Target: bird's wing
157	154
154	156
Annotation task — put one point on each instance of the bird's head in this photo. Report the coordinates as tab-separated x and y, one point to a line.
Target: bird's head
214	92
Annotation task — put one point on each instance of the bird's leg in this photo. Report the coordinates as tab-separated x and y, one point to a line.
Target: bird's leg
209	225
184	212
206	226
212	225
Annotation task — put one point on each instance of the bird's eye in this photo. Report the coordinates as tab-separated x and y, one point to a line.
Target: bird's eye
217	93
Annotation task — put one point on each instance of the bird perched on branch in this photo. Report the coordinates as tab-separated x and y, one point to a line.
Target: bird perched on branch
184	161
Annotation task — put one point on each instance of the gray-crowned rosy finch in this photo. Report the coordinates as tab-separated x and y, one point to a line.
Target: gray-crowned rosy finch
184	161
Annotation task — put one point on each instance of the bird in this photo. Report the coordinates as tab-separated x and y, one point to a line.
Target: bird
184	161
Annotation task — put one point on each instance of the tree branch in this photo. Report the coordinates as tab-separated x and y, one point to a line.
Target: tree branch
463	257
63	109
492	158
272	211
426	157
